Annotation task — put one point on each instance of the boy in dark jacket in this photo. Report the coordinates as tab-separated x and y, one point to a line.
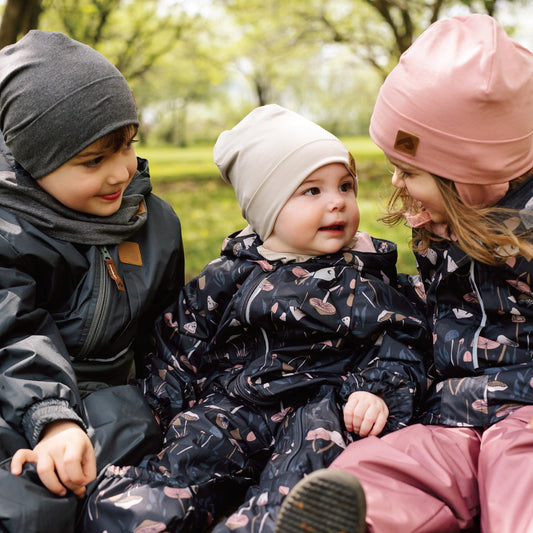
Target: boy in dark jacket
280	352
83	274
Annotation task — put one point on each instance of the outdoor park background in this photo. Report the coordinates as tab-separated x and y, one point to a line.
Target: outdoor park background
198	66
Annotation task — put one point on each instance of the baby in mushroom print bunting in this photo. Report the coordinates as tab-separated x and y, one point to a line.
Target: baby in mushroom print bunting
287	347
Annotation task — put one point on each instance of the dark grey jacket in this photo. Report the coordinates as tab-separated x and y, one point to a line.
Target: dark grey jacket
65	327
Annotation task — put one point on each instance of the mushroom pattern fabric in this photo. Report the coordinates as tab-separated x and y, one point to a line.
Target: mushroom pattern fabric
250	371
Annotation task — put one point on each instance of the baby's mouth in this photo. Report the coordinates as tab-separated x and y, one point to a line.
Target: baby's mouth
333	227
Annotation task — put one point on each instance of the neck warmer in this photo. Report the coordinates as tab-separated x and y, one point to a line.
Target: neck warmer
20	194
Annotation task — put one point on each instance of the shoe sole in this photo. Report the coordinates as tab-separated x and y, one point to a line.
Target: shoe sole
325	501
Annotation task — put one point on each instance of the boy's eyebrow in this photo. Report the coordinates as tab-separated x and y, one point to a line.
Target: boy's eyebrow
88	153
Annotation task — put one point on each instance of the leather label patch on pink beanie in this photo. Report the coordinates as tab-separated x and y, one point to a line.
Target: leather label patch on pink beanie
406	142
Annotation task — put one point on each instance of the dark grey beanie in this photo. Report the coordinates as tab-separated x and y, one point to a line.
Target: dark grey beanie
57	96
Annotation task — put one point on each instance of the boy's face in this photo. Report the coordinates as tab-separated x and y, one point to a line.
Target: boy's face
322	215
94	180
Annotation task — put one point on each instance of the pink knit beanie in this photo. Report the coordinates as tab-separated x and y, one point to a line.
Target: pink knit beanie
459	104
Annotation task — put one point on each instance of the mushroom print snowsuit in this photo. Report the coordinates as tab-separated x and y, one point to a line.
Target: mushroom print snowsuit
251	369
482	347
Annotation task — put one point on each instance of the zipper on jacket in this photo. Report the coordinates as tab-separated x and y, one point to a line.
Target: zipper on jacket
111	268
483	316
242	389
298	428
249	301
103	279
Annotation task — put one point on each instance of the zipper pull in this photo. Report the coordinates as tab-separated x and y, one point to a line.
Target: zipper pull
110	264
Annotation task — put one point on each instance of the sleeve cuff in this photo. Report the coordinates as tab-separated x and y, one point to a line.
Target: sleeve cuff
42	413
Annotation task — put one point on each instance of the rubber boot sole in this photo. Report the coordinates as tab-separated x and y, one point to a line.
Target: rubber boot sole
325	501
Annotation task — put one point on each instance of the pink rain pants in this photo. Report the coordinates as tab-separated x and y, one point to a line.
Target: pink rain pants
438	479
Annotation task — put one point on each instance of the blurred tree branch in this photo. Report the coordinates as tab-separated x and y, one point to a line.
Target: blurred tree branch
20	16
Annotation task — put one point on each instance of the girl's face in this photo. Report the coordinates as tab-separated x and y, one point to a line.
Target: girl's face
421	186
94	180
322	215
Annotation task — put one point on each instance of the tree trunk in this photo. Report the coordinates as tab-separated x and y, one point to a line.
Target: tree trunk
20	16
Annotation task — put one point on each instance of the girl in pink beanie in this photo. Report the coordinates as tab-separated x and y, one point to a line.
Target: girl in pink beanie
455	119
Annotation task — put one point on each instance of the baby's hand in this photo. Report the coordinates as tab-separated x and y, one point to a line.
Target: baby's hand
64	456
365	414
530	424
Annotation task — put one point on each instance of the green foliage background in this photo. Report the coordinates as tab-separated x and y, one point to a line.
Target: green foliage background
189	180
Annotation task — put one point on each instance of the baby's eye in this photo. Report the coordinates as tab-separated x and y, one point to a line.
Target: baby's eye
346	186
312	191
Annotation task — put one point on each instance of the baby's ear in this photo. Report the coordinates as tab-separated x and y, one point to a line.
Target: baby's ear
353	170
351	160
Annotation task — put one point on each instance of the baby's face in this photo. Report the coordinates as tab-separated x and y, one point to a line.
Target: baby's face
321	217
94	180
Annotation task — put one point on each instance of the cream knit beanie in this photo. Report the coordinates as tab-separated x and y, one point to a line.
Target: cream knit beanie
267	155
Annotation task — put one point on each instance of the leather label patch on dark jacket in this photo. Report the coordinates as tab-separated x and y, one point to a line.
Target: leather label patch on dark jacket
130	253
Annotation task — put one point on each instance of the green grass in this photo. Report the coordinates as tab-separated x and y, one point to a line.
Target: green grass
171	164
188	179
